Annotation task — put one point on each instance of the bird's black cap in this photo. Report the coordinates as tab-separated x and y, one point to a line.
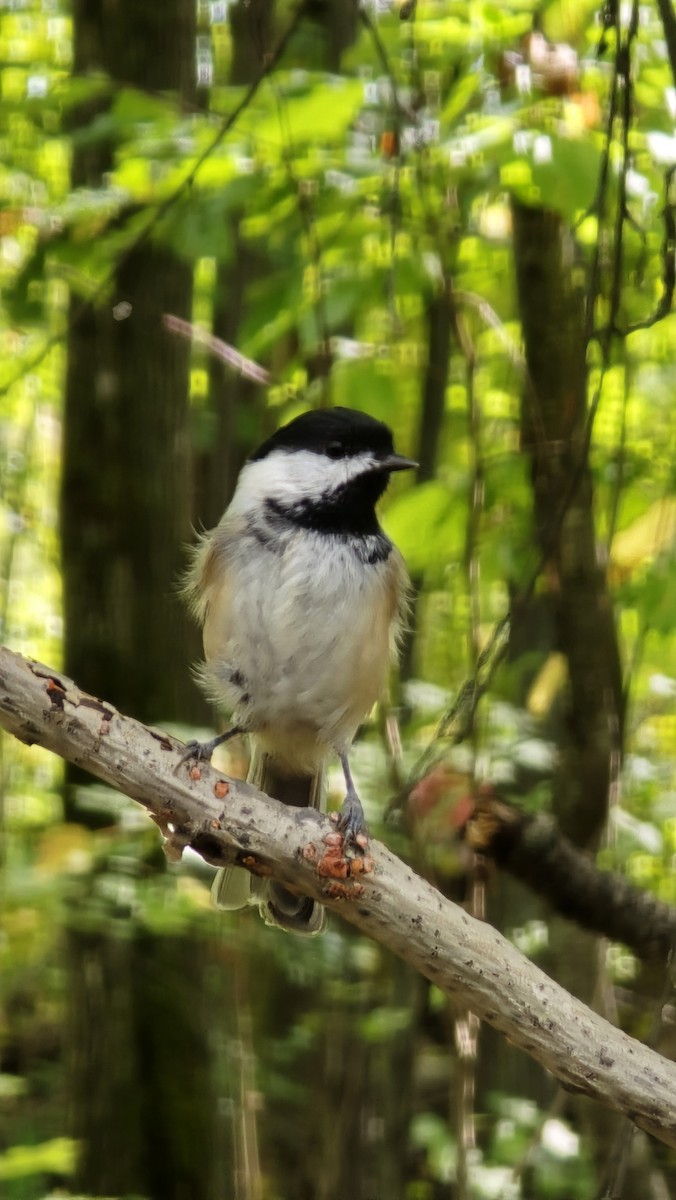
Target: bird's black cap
337	432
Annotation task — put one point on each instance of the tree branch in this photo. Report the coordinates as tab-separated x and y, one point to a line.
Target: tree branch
227	821
534	851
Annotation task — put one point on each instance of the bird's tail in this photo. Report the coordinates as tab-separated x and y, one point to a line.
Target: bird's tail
234	887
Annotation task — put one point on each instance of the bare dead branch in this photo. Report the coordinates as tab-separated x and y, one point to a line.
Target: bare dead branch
227	354
227	821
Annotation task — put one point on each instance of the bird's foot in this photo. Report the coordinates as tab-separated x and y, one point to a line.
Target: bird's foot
201	752
351	823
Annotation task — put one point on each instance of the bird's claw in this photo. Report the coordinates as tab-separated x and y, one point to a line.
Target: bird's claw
351	823
197	752
201	752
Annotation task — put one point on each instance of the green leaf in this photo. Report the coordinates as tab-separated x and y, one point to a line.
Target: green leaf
133	107
57	1156
384	1023
82	89
460	98
203	225
554	172
427	524
325	111
25	298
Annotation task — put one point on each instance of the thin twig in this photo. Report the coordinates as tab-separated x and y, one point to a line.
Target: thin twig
665	302
227	354
620	458
394	202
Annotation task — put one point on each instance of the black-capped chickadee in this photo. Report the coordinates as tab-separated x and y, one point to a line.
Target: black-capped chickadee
301	596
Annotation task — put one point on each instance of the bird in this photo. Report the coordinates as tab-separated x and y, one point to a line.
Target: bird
302	598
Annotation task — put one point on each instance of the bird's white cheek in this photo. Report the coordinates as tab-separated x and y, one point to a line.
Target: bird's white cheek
292	478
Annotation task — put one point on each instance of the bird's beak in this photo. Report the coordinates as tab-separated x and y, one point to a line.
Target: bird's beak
395	462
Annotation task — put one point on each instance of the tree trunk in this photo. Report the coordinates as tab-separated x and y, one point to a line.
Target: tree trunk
554	421
125	496
143	1084
554	435
143	1064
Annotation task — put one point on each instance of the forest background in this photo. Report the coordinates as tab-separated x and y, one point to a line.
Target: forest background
459	217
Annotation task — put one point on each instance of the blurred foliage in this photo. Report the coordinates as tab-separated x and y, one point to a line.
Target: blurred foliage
361	192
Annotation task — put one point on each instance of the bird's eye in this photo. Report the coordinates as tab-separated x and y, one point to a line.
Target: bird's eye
335	450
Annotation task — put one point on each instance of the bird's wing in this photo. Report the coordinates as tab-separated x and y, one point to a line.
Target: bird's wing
399	593
207	587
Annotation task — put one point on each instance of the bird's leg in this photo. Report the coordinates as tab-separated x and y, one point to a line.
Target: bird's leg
202	751
351	821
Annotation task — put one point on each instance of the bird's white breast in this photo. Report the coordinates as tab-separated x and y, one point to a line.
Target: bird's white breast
304	626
